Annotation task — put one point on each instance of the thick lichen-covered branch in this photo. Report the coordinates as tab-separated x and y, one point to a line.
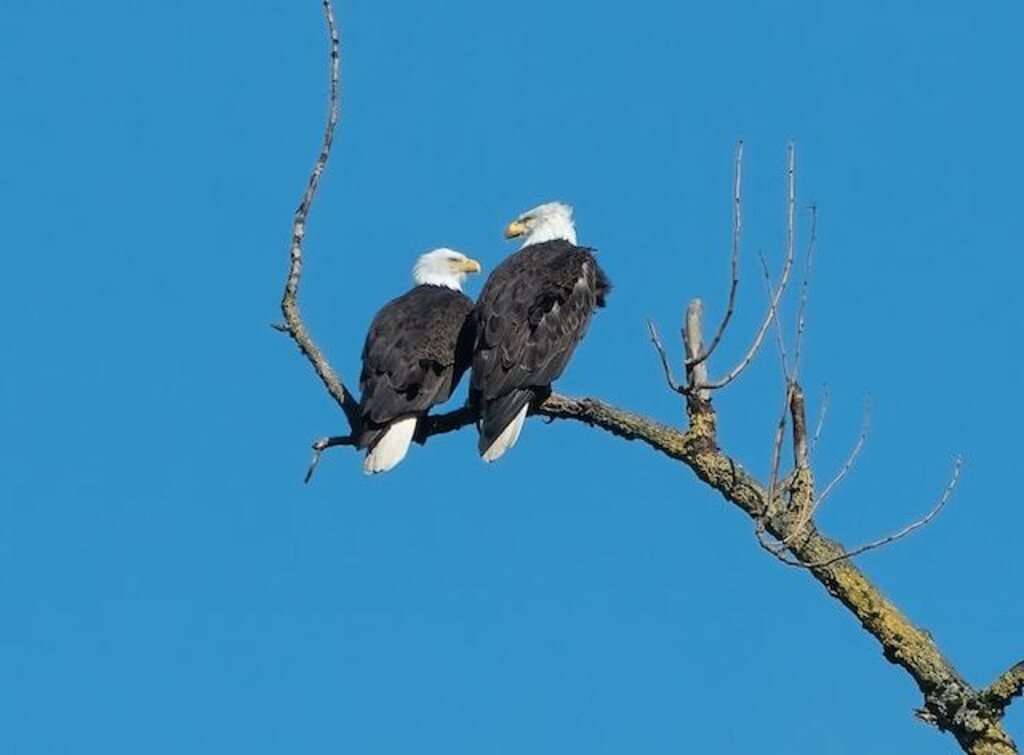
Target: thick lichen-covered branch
1005	688
950	703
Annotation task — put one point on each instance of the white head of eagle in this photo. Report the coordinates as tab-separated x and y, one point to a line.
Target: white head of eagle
546	222
443	267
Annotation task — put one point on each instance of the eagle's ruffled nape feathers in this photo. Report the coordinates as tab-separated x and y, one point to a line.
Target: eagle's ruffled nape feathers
546	222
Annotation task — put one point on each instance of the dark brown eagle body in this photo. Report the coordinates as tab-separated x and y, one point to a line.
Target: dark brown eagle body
533	311
418	347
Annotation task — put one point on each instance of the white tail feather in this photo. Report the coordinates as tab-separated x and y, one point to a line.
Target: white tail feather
391	448
508	437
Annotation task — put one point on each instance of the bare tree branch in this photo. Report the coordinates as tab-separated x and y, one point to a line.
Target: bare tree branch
1008	686
820	424
293	324
780	338
778	550
734	265
321	445
696	369
851	459
805	286
949	701
801	496
777	443
736	371
875	544
946	694
665	366
789	405
798	409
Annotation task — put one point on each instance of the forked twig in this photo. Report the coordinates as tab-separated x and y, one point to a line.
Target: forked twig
665	366
736	371
321	445
881	542
780	339
851	459
779	550
817	500
734	265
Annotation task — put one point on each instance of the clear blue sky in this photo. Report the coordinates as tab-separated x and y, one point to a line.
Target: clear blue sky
169	586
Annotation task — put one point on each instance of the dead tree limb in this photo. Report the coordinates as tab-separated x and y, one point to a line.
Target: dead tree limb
1005	688
734	264
293	324
659	347
973	717
773	306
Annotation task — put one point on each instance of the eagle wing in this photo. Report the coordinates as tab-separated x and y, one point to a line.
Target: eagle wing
414	354
532	313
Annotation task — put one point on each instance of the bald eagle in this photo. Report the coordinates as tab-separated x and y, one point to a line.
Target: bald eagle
415	353
533	311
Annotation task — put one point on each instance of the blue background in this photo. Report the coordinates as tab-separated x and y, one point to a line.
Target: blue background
167	583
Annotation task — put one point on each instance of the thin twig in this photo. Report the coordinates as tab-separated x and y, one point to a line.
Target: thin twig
323	444
881	542
427	427
773	316
294	325
777	442
820	425
780	339
774	547
736	371
805	286
660	348
790	239
851	459
734	265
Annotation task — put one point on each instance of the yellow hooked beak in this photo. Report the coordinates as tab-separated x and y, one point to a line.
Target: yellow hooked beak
468	266
515	228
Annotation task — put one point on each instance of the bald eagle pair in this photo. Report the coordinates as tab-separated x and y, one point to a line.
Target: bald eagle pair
532	312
